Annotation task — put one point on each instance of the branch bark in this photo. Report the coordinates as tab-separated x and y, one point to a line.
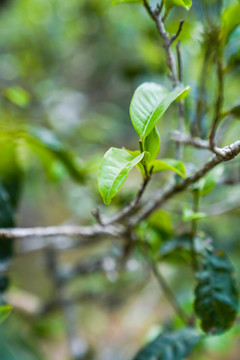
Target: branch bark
117	231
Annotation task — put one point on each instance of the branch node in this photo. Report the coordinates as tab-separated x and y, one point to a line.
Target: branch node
174	37
96	214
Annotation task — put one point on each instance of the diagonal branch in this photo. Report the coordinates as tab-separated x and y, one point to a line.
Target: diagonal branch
167	41
96	232
227	153
128	210
174	37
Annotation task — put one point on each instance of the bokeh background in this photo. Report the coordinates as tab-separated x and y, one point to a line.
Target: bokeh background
72	67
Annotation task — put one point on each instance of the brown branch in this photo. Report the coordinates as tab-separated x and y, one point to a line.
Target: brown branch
96	214
59	237
179	58
96	232
66	230
197	142
196	128
174	37
128	210
219	103
171	63
181	109
227	153
190	141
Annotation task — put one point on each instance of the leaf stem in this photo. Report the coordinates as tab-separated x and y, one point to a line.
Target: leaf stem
142	162
219	102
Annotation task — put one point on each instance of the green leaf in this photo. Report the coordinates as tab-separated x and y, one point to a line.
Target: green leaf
181	247
189	214
113	172
6	220
216	295
150	101
17	95
169	164
208	183
170	346
230	21
115	2
235	111
11	174
4	312
161	220
140	166
169	4
18	345
152	144
39	138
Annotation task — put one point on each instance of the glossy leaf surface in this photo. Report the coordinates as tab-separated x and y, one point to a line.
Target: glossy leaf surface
170	346
150	101
184	3
169	164
152	144
216	296
113	172
230	20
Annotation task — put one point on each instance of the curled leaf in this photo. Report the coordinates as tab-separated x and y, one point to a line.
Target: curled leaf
150	101
114	170
169	164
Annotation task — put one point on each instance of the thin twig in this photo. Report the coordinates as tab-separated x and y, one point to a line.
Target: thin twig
181	110
128	210
190	141
171	63
179	58
96	214
159	198
174	37
96	231
219	103
196	128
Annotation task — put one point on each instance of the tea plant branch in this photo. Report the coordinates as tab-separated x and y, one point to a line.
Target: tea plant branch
95	232
201	105
191	141
181	108
65	230
175	76
223	207
219	103
171	62
174	37
179	58
159	198
128	210
96	214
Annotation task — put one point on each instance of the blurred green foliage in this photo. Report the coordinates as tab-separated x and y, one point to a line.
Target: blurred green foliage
68	70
